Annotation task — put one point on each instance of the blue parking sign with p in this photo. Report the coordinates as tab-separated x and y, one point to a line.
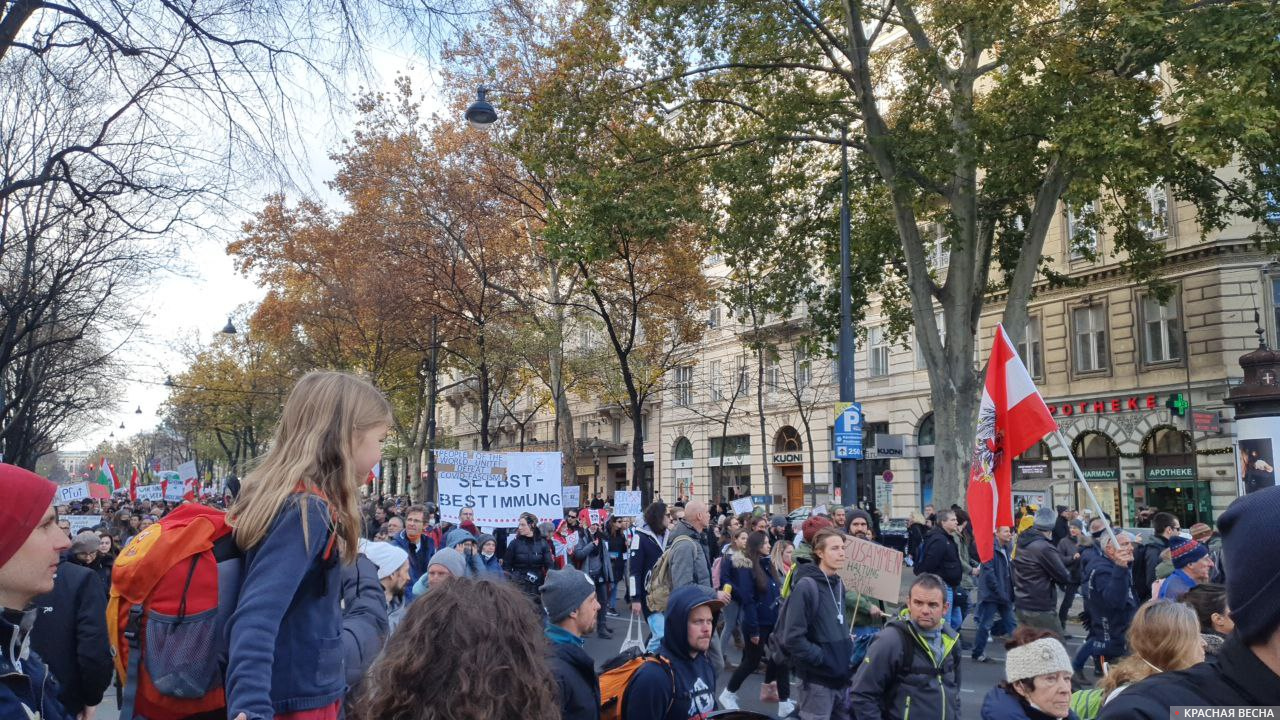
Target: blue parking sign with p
848	431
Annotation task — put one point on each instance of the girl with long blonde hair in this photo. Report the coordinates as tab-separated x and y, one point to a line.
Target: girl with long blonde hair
1164	636
298	517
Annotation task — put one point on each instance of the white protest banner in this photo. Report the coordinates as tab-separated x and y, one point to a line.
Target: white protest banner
149	492
171	481
82	522
569	496
741	505
626	503
873	570
72	491
499	486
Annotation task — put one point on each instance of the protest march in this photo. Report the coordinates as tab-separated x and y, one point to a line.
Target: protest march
292	593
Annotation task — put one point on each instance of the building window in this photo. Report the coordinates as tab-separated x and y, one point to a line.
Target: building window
803	368
877	352
1161	330
1029	349
939	256
1156	221
731	446
713	318
617	430
716	380
773	375
744	376
1090	328
1269	174
1082	239
457	415
684	386
583	429
939	321
644	427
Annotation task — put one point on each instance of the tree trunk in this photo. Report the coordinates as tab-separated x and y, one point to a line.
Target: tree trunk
764	438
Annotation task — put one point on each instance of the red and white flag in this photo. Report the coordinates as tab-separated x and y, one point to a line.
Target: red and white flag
133	484
1011	419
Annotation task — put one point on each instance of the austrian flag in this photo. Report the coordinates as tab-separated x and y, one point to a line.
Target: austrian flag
1011	419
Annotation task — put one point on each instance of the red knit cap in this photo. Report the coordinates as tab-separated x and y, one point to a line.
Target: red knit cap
815	523
26	498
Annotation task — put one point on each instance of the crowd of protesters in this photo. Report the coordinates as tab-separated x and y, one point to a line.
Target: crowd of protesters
381	609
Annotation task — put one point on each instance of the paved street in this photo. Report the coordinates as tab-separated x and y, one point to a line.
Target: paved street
977	678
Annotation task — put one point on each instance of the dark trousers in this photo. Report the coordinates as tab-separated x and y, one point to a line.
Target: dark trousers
602	595
1068	596
752	653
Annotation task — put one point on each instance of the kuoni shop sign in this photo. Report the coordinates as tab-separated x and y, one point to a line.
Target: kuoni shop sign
1169	473
787	458
1130	403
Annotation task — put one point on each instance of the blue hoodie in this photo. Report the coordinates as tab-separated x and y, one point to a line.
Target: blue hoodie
694	694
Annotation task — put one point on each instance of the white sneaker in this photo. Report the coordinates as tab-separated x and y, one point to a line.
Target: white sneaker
786	708
728	700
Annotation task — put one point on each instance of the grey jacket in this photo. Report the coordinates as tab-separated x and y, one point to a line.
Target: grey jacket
928	687
593	559
364	617
689	564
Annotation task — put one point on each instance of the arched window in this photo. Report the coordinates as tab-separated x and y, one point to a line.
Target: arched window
787	440
925	435
683	449
1166	446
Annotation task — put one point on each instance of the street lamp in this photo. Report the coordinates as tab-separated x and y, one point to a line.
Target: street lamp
138	411
228	329
595	446
481	113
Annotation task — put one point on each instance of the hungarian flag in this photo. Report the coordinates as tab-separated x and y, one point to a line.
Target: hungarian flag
133	484
103	482
1011	419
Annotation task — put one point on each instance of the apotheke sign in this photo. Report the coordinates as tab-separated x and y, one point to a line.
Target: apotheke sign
1101	407
1170	473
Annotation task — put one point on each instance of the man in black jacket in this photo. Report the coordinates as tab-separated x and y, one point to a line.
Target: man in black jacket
941	555
70	633
569	597
1037	568
1247	670
1146	558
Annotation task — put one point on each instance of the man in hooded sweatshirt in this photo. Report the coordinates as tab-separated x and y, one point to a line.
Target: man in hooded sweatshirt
812	630
689	626
569	598
1037	570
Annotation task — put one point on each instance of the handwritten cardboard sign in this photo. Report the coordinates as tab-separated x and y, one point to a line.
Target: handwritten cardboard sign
873	570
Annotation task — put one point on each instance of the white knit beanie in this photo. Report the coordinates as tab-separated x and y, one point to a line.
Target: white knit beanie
1041	657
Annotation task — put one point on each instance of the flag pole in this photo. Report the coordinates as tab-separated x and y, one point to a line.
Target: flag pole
1089	490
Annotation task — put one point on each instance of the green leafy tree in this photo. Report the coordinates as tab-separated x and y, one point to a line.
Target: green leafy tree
978	117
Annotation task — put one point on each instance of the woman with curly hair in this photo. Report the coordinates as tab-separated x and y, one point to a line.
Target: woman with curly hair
440	663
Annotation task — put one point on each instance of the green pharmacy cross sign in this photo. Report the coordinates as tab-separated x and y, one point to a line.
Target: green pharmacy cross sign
1177	404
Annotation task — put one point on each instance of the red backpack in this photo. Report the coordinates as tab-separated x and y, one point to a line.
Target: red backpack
172	589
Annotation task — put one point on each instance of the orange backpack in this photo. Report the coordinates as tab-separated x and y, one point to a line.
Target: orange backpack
172	589
616	678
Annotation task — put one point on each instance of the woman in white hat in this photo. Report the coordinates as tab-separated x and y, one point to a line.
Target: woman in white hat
1037	683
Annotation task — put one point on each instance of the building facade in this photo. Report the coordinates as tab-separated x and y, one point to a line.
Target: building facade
1136	383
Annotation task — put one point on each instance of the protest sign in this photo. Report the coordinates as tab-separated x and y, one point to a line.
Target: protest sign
149	492
873	570
626	503
72	491
187	471
82	522
741	505
498	487
569	496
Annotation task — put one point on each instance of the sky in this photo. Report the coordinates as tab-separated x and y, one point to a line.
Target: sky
193	306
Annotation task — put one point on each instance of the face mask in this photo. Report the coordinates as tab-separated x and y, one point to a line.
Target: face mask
487	555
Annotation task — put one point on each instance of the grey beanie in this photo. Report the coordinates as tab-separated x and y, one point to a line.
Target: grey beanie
450	560
1046	519
564	591
857	513
457	536
1041	657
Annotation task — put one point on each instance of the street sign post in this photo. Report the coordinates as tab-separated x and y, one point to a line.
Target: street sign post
848	431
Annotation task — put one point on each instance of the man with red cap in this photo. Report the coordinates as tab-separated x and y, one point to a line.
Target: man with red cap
30	546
